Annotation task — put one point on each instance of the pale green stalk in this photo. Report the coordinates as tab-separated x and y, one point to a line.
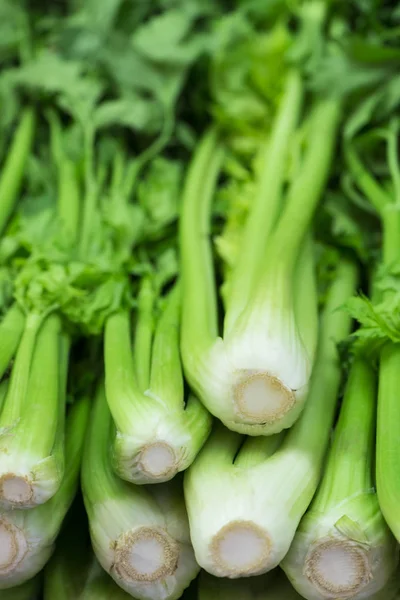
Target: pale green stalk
255	378
343	547
139	534
157	435
11	329
385	200
27	537
12	172
32	461
19	380
305	301
387	447
199	303
68	192
243	519
143	334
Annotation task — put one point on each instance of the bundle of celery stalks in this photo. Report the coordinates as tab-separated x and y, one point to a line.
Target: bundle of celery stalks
199	299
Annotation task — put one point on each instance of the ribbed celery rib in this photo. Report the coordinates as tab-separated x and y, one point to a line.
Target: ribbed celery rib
13	170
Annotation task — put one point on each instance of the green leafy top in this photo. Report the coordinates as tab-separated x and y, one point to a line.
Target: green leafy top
361	61
144	79
131	235
114	106
374	170
361	64
247	77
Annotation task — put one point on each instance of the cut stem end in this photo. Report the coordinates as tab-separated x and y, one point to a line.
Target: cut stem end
158	460
262	398
13	546
240	548
338	568
16	490
147	554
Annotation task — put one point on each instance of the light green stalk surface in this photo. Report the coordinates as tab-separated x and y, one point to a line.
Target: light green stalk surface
31	457
255	378
157	435
139	534
27	537
12	171
387	450
68	192
385	198
243	517
343	547
11	330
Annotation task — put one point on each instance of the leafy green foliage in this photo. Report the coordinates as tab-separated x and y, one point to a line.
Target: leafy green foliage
362	63
51	75
128	238
379	323
343	223
247	76
13	29
379	318
158	194
144	79
100	67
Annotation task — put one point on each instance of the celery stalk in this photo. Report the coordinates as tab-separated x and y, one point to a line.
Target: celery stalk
139	534
27	537
244	513
255	377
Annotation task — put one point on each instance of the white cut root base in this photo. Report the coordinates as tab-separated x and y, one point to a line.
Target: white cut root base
145	555
158	460
261	398
15	489
240	548
13	547
338	569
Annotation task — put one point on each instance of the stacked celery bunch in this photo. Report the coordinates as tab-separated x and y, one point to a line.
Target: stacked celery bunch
199	300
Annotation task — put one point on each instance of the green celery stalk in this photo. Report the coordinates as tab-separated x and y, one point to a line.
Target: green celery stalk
157	435
32	460
27	537
255	377
11	329
69	194
384	197
244	511
13	169
139	534
343	546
